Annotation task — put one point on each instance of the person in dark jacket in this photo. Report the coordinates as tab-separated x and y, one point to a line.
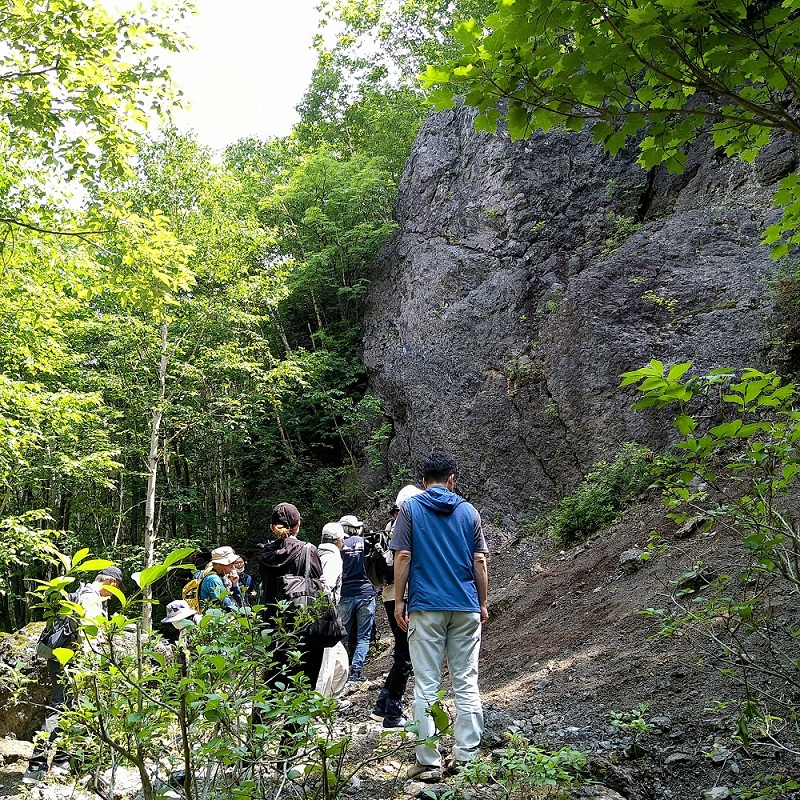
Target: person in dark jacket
389	705
285	555
357	603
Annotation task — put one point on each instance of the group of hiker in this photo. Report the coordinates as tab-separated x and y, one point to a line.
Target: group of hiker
430	567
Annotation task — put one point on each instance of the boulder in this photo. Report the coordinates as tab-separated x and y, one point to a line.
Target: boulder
633	559
13	751
24	683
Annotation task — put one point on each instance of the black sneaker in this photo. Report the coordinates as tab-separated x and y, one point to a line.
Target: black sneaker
34	775
379	710
394	723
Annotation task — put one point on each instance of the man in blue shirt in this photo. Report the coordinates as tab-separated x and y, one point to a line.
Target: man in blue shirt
357	603
440	555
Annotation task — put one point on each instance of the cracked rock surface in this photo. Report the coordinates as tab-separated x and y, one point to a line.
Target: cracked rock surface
525	277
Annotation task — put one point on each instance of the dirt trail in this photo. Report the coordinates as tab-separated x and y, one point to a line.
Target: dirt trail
564	647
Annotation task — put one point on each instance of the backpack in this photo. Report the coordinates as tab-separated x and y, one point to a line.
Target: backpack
379	561
59	632
191	591
302	591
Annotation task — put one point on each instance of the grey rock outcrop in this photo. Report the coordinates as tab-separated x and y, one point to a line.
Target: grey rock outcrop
525	277
23	711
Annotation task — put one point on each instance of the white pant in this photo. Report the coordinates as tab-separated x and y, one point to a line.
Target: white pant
431	634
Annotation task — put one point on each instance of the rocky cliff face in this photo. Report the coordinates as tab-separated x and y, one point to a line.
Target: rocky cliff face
525	277
22	713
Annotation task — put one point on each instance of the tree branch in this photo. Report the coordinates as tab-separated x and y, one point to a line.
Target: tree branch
10	221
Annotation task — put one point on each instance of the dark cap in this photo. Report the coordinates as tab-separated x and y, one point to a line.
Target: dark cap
111	572
286	514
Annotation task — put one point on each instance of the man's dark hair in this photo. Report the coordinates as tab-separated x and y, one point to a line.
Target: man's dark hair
438	467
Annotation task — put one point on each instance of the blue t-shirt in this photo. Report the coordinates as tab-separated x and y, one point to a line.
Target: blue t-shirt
355	582
442	531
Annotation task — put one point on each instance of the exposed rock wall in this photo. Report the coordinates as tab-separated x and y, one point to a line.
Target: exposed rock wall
519	285
22	715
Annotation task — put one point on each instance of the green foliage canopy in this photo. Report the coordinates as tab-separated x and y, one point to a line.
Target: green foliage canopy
655	72
75	84
364	97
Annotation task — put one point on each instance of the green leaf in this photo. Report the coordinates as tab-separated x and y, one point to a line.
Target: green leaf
733	398
727	429
648	384
63	654
518	121
677	371
685	424
441	99
615	143
178	555
601	130
115	592
435	75
96	564
149	575
220	664
441	720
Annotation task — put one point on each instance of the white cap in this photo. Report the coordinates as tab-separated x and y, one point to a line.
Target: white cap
223	555
332	532
405	493
178	609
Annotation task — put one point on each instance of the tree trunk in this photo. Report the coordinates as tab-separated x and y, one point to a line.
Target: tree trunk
320	326
152	474
121	506
222	499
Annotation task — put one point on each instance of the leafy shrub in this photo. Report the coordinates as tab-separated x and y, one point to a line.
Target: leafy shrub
737	466
606	490
201	713
767	787
520	770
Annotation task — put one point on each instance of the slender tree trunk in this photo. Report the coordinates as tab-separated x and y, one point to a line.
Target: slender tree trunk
121	507
282	334
221	495
316	311
186	507
285	438
172	475
152	474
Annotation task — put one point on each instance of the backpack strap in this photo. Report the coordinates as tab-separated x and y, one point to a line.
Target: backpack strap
206	572
307	559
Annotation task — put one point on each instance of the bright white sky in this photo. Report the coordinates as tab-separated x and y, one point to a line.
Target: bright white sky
250	67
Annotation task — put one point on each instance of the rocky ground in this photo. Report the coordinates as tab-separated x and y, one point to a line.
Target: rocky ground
565	648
